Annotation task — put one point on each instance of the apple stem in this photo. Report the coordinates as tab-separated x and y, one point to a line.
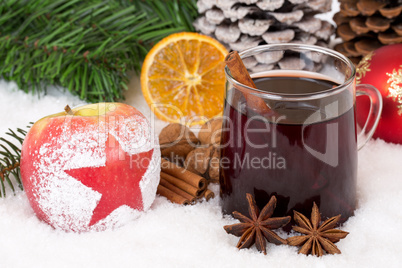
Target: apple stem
68	110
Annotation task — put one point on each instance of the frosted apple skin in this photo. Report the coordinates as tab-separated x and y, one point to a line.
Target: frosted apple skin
64	142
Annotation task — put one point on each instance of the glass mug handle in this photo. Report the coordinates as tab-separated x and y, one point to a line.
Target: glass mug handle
374	113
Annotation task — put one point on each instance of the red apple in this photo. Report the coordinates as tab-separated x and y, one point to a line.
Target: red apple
91	168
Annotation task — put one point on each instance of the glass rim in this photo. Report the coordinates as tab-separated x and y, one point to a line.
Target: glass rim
293	96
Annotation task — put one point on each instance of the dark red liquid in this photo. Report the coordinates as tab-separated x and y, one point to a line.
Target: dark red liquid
283	166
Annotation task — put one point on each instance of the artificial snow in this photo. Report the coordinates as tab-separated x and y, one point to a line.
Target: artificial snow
170	235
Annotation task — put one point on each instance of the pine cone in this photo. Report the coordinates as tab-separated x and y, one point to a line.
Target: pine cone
243	24
365	25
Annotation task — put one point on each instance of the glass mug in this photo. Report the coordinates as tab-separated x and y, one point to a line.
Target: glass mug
302	147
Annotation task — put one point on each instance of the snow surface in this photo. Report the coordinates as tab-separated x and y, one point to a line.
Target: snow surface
169	235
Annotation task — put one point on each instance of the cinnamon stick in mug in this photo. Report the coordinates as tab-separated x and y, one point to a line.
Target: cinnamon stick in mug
240	73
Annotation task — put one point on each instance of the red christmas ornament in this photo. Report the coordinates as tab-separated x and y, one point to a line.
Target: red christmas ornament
382	68
91	169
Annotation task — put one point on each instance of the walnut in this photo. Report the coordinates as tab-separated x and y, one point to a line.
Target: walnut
197	160
210	132
180	145
214	165
205	160
177	141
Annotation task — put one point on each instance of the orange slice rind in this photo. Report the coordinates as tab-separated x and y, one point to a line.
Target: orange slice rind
183	79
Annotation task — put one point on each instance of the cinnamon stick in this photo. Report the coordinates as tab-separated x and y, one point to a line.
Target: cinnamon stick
182	185
240	73
183	174
177	190
174	197
208	194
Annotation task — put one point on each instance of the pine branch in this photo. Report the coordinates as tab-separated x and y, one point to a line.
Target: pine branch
86	47
10	161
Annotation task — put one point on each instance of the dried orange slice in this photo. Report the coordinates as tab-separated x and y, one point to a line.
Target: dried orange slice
183	78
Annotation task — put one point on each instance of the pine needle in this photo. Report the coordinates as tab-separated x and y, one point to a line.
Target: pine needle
86	47
10	156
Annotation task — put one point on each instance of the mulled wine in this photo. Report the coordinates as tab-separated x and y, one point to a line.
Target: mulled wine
303	152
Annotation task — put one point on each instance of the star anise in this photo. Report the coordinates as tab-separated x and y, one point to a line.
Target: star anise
317	238
258	228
